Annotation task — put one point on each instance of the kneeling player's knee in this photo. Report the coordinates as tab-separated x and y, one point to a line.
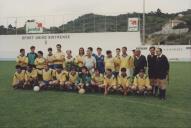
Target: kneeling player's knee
163	87
42	84
141	89
62	83
114	87
149	88
134	88
15	85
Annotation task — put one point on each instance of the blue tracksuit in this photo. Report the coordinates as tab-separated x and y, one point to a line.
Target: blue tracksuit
100	63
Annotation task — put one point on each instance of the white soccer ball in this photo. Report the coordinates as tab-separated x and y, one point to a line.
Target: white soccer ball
81	91
114	87
36	88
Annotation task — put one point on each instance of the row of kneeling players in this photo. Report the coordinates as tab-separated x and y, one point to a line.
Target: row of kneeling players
83	81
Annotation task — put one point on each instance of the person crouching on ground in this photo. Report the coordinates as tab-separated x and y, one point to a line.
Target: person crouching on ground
109	82
72	79
18	78
97	81
123	82
141	83
30	77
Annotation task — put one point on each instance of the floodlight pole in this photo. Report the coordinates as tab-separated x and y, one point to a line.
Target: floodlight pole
63	23
143	31
16	26
105	24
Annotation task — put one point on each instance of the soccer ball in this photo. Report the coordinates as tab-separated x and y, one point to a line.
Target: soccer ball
114	87
81	91
36	88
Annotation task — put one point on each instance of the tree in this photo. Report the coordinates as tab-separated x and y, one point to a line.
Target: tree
159	12
3	30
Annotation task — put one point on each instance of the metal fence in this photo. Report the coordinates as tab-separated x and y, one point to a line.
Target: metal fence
68	23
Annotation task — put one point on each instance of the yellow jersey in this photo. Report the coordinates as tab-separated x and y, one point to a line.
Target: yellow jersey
47	75
123	80
18	77
22	61
59	57
73	78
32	74
117	62
61	76
98	79
79	60
110	81
109	63
67	61
126	62
131	62
138	81
40	63
50	59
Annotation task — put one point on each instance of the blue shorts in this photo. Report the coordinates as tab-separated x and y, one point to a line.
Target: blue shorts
51	66
57	65
46	82
115	73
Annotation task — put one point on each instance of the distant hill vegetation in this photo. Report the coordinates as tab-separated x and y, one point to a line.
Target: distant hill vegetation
155	20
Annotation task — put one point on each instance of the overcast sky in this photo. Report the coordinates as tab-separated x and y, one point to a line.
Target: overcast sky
73	8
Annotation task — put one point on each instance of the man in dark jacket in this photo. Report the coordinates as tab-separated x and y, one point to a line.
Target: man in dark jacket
151	61
140	62
162	69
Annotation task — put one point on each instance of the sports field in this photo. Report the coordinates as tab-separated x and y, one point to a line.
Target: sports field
56	109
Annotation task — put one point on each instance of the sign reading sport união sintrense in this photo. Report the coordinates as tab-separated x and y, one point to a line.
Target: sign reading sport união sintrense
34	27
133	24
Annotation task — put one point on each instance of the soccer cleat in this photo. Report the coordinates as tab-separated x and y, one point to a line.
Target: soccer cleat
155	91
164	94
145	93
160	93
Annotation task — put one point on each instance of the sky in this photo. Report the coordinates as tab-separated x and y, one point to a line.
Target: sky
57	11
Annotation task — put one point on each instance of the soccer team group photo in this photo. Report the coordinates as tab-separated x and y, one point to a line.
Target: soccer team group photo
95	63
93	72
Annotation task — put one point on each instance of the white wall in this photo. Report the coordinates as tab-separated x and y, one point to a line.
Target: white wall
173	52
10	44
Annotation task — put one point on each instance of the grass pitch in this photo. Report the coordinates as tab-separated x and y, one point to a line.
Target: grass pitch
55	109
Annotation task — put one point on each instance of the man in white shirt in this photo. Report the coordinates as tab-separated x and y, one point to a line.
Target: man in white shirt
90	61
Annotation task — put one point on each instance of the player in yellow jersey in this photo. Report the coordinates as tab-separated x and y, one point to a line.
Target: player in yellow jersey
79	60
59	57
127	62
30	77
22	60
123	82
97	80
60	78
109	61
18	78
40	62
50	59
117	62
141	83
47	77
72	79
69	61
109	82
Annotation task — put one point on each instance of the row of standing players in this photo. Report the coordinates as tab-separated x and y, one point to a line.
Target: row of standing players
121	73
